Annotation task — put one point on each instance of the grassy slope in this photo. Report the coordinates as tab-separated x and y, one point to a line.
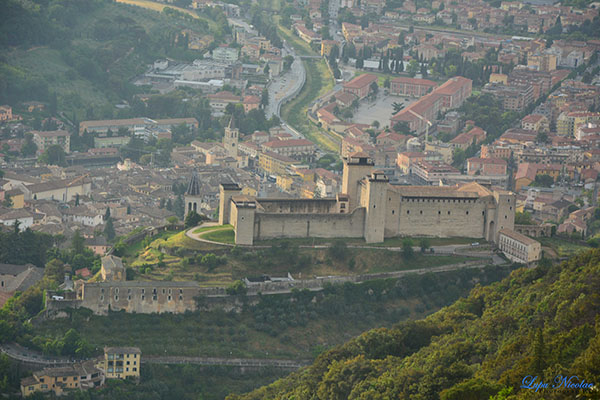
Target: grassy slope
284	257
154	6
539	321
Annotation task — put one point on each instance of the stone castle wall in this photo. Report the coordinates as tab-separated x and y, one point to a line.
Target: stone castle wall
440	217
267	225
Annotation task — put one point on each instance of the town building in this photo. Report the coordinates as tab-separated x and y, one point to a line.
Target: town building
519	248
45	139
17	278
112	269
360	86
422	113
136	126
413	87
80	376
294	148
122	362
486	166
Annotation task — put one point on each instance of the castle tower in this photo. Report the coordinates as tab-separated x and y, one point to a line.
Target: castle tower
504	214
230	139
356	167
227	190
192	195
375	203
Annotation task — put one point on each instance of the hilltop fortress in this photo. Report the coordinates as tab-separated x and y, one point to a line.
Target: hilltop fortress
370	207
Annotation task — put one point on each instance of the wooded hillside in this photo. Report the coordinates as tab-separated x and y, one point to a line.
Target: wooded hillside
542	322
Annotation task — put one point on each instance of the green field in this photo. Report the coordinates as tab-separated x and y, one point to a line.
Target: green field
318	82
562	247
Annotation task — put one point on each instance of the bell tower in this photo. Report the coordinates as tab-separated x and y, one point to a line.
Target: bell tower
192	195
231	137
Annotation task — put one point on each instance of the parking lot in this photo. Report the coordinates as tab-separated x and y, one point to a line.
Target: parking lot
379	110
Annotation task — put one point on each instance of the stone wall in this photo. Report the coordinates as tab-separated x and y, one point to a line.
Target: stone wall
267	225
440	217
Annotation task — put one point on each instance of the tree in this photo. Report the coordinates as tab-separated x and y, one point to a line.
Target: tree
424	243
107	214
402	127
544	180
338	250
397	107
7	202
413	68
54	155
264	98
542	137
76	199
386	82
287	62
109	229
178	207
192	219
374	88
523	218
78	243
29	148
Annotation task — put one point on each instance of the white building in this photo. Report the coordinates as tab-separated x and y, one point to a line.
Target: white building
519	248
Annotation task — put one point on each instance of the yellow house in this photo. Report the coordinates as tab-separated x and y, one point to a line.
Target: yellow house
499	78
17	197
273	163
122	362
284	182
77	376
249	191
326	46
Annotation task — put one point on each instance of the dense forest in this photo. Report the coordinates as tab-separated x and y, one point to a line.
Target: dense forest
540	322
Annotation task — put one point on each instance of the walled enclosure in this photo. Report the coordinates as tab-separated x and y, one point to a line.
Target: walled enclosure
372	209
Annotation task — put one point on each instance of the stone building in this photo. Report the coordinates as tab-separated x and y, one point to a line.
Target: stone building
112	269
192	195
370	208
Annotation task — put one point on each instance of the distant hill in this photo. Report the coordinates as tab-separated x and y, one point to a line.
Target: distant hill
541	322
86	52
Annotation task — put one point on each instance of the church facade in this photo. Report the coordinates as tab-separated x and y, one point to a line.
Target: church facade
370	207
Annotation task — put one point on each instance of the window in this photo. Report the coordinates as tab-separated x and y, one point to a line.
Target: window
143	291
393	212
101	298
180	297
117	290
134	369
467	213
439	212
448	212
169	298
116	298
163	291
421	212
153	297
407	211
129	297
143	297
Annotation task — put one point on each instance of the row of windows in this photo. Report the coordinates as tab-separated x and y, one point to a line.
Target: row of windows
143	297
143	291
439	212
429	200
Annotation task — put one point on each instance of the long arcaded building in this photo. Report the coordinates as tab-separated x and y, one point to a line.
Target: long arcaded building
370	207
